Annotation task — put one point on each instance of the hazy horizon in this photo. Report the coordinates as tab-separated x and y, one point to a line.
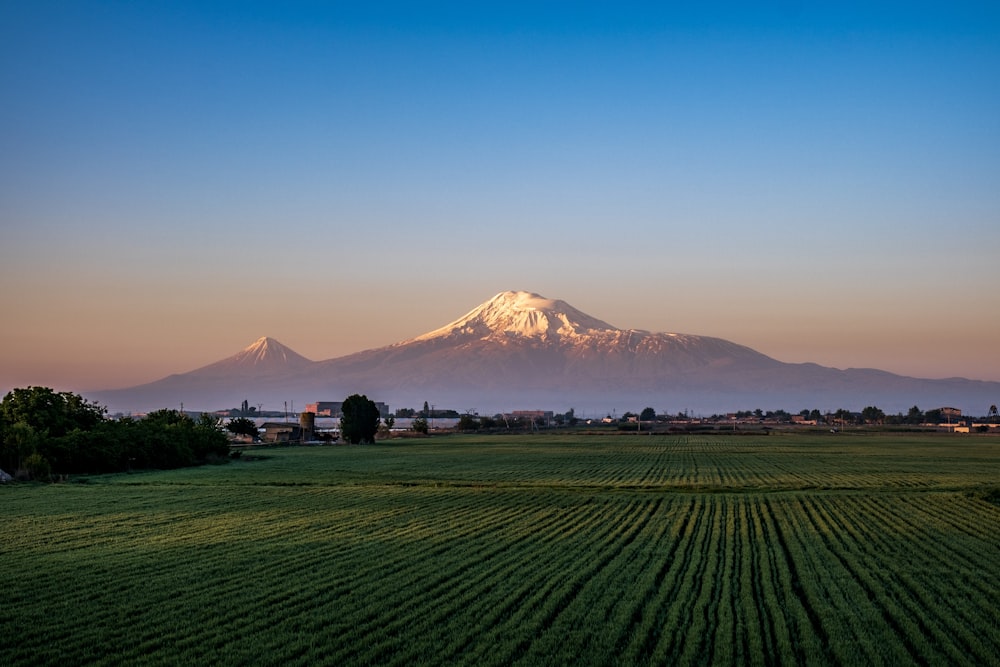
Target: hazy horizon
179	179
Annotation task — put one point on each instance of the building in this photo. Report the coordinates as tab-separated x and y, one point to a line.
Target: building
280	432
335	409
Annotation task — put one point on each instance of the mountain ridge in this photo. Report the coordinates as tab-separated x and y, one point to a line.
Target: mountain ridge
519	349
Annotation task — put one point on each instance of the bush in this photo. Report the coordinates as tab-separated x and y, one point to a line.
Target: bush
38	468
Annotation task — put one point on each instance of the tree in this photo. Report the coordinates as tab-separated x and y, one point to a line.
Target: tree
359	419
647	415
914	416
243	426
19	441
47	411
419	425
467	423
872	415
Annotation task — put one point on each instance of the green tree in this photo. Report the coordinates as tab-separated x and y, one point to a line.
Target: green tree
419	425
468	423
872	415
45	410
359	419
38	467
647	415
243	426
20	440
914	416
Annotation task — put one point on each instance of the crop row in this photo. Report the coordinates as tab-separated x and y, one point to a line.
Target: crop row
395	574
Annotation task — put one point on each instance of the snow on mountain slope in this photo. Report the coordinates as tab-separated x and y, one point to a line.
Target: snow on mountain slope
262	357
523	314
528	320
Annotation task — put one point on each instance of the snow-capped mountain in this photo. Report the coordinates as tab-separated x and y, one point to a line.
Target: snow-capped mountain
265	356
522	350
522	314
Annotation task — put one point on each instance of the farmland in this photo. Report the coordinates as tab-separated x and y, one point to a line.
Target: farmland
707	549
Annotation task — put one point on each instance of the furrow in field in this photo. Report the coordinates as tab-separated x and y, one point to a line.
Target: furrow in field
315	558
842	630
738	652
856	618
896	641
880	541
532	550
639	621
710	602
561	582
776	589
811	642
649	617
666	639
413	593
459	602
944	612
566	613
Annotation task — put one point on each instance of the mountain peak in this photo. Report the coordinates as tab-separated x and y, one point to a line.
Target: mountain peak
267	351
262	357
524	314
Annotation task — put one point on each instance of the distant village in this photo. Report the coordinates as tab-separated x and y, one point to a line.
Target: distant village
319	421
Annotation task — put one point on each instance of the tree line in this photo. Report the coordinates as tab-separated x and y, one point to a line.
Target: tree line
44	433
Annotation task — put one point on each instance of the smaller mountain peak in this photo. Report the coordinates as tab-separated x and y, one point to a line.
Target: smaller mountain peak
263	342
267	350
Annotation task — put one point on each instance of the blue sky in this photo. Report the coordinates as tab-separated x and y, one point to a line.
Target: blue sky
177	179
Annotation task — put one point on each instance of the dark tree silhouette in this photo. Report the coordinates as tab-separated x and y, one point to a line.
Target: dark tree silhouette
359	419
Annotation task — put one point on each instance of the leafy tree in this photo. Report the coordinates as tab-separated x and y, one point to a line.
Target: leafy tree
359	419
243	426
843	416
647	415
934	416
390	421
468	423
872	415
914	416
19	441
46	410
43	432
419	425
38	467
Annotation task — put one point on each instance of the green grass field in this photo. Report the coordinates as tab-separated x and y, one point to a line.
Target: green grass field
480	550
